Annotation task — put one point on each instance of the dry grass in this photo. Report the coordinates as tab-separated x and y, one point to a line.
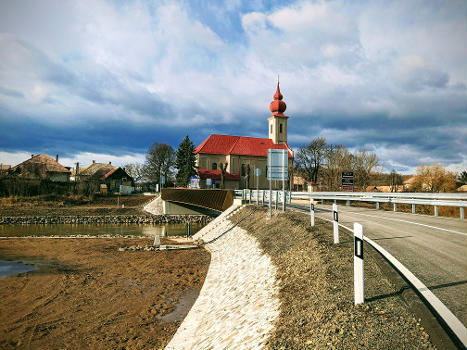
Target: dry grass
316	291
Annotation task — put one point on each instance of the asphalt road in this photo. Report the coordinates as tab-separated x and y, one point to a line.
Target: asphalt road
433	248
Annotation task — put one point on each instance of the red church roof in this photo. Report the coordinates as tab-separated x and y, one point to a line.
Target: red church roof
238	145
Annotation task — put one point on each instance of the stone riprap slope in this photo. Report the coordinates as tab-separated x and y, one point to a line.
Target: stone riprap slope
238	303
154	207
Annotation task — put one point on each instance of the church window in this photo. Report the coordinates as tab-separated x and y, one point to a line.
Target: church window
214	166
280	128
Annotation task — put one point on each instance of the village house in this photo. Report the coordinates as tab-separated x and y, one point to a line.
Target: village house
244	154
102	177
41	167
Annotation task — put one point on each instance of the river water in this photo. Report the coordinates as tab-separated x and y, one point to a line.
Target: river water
149	230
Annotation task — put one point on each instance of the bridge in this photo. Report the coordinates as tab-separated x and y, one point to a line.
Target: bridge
179	201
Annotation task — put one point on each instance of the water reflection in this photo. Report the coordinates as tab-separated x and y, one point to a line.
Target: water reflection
8	268
97	230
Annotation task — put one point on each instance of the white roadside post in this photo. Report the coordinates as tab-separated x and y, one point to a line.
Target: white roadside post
335	223
358	284
312	212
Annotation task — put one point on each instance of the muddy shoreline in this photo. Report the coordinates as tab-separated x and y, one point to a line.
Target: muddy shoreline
86	294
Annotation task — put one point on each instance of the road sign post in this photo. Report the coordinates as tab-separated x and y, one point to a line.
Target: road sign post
277	170
358	283
335	223
347	181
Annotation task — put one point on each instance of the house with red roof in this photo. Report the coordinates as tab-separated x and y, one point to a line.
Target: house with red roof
244	154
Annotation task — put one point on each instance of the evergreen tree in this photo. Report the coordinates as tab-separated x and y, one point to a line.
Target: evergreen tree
185	162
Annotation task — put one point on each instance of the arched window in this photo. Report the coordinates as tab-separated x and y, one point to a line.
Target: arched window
214	166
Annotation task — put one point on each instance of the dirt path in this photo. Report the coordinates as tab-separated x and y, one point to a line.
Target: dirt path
88	295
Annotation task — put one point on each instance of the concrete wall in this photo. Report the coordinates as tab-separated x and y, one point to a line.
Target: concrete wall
170	208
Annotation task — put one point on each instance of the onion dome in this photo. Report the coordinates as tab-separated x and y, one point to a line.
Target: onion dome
277	106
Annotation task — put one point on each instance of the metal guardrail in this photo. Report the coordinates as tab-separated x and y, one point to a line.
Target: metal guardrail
450	320
432	199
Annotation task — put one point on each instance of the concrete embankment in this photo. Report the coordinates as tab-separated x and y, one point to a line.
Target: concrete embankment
114	219
238	303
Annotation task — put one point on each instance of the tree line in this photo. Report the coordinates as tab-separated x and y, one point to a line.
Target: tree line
322	164
162	161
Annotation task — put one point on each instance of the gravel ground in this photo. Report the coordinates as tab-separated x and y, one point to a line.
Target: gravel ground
316	290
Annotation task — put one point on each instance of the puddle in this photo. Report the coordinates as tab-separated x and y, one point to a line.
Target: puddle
185	303
8	268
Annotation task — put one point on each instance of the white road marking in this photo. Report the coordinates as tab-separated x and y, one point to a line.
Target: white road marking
408	222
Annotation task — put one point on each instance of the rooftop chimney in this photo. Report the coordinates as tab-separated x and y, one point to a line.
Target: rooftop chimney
93	161
56	158
110	163
32	155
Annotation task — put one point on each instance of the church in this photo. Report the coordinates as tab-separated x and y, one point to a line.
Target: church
241	156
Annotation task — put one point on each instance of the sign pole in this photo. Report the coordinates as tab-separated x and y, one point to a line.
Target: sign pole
284	164
358	283
270	198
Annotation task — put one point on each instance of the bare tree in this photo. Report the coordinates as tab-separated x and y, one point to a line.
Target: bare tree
433	178
363	164
395	180
135	170
309	159
338	159
159	161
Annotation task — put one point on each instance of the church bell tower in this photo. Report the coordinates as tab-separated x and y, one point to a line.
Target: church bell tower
277	122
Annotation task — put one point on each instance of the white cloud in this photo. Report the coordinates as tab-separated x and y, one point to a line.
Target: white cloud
162	65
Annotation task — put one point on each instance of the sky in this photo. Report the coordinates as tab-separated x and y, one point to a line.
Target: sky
104	80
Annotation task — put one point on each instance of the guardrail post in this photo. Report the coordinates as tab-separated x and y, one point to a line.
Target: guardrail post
249	193
358	282
377	205
277	199
335	223
347	203
436	210
312	212
257	197
413	209
335	201
290	197
262	198
394	206
284	199
461	209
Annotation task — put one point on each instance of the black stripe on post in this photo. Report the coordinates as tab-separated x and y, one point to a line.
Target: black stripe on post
358	247
336	216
